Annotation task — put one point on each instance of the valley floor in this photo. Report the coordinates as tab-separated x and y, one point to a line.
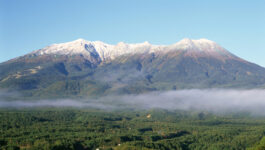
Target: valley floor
68	128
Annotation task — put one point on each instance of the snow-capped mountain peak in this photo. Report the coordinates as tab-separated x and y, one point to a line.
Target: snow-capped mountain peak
109	52
200	44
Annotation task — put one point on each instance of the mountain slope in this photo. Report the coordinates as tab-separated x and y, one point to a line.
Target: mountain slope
85	68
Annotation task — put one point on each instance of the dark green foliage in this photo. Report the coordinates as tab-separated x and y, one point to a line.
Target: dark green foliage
47	128
142	130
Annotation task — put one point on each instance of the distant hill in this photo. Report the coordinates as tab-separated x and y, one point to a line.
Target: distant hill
84	68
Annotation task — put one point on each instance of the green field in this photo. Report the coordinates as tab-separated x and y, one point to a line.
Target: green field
69	128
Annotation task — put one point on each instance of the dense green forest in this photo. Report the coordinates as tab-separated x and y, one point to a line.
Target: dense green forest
69	128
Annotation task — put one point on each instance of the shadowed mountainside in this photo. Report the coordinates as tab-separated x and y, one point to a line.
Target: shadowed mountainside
84	68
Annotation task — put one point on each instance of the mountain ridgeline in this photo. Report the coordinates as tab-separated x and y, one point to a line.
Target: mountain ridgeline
90	69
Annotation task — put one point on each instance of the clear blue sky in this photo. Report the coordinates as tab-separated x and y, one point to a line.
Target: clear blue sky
238	25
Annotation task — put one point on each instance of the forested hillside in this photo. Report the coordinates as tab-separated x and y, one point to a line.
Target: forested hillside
49	128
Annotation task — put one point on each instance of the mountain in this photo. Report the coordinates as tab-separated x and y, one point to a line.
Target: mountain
86	68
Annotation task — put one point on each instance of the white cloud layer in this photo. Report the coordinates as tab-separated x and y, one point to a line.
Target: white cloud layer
214	100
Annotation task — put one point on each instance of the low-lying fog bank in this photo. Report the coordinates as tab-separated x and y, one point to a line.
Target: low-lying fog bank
214	100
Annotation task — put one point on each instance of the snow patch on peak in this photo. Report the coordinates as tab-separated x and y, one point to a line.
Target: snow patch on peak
208	45
146	43
185	43
80	40
200	44
122	44
204	41
75	42
186	40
